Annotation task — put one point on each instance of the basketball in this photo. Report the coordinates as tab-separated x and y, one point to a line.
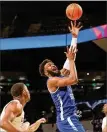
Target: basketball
74	11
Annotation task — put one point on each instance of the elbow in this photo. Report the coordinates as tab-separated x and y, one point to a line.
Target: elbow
74	81
3	124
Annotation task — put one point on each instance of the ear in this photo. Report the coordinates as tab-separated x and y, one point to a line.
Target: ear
46	73
24	93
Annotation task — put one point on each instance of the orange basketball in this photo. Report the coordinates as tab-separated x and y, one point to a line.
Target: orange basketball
74	11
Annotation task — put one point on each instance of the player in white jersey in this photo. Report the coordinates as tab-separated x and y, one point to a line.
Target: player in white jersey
12	116
104	123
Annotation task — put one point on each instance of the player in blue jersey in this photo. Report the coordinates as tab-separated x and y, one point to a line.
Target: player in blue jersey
60	89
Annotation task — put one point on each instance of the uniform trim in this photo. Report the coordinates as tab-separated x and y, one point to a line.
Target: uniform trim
71	124
54	91
61	108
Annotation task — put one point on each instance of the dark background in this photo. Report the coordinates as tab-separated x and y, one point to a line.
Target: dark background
17	18
50	15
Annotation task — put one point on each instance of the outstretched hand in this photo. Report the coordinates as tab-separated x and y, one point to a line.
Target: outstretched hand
35	126
42	120
74	28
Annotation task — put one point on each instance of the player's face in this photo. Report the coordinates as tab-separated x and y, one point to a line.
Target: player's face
51	69
105	108
27	93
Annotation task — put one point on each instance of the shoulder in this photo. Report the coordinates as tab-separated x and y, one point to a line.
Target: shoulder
14	106
51	84
52	81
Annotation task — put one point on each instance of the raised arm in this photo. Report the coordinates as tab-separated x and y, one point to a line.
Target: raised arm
74	29
11	111
55	82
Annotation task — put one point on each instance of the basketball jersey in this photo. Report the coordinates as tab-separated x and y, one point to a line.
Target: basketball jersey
17	122
64	101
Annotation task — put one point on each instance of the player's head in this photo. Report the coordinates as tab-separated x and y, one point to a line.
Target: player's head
20	90
48	68
105	109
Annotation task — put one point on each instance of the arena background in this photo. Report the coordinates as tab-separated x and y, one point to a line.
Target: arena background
33	31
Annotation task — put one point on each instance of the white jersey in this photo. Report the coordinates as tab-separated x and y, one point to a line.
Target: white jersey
17	122
104	122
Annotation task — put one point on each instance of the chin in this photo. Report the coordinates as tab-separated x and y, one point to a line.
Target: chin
54	73
28	100
57	73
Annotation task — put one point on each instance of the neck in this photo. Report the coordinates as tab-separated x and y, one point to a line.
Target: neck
22	101
49	76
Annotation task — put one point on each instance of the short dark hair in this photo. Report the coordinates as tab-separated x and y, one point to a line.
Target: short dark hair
41	67
17	89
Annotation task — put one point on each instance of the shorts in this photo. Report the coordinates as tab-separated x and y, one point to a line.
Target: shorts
71	124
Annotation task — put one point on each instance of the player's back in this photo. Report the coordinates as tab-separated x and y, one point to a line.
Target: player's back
64	101
17	122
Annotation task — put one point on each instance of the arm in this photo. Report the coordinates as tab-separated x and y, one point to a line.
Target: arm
64	72
73	44
36	125
74	31
56	82
25	126
11	111
65	81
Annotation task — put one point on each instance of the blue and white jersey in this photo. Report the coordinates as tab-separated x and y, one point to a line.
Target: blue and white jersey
64	101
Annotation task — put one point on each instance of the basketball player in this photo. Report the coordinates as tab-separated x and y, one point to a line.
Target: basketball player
12	116
104	123
61	91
